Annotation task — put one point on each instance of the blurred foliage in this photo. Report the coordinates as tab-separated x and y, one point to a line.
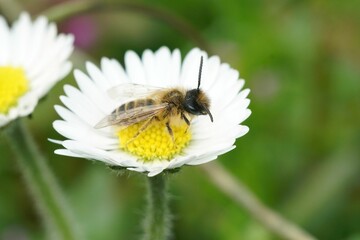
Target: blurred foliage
301	59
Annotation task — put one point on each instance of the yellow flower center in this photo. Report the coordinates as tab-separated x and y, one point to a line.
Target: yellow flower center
13	84
155	142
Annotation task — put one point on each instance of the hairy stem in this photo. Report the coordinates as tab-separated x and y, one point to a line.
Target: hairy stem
157	222
40	181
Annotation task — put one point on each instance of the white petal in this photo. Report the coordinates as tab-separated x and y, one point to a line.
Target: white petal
85	135
209	158
134	68
4	41
36	68
37	41
97	77
88	151
150	68
163	67
114	73
190	69
81	106
20	37
175	66
66	152
155	172
210	72
97	97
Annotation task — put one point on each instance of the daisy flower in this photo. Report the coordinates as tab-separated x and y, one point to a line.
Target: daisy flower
153	148
33	57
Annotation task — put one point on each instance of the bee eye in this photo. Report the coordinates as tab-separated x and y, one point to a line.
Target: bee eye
190	103
191	107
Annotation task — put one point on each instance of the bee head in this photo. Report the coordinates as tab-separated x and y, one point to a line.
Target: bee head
196	102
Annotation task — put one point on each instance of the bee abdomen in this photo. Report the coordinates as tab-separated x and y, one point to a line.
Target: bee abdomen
144	102
134	104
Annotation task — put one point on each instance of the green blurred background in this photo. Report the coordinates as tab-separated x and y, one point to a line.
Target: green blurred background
301	60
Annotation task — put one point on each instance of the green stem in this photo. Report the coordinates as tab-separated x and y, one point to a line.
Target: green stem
157	222
72	8
239	193
40	181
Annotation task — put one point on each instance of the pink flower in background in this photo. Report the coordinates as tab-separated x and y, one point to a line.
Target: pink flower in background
84	29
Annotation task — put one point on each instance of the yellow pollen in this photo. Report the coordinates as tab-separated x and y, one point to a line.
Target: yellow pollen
13	84
155	142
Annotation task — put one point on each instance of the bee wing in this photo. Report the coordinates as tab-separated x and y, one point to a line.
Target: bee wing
131	90
128	117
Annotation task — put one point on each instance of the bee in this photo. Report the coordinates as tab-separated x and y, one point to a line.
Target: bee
169	105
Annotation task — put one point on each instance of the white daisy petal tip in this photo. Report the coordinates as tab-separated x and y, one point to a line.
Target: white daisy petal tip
33	58
154	128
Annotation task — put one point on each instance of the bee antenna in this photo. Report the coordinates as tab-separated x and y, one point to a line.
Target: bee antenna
200	70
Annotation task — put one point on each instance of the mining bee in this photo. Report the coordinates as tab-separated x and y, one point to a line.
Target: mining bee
169	105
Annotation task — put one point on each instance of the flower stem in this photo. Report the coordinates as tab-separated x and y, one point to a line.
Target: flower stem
40	181
239	193
69	9
157	222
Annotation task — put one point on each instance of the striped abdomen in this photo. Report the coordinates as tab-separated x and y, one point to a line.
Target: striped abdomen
134	104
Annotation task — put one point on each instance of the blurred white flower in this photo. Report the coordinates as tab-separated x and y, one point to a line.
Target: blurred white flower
153	150
33	57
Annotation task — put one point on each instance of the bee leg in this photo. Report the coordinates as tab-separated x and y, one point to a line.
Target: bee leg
170	131
186	121
142	128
